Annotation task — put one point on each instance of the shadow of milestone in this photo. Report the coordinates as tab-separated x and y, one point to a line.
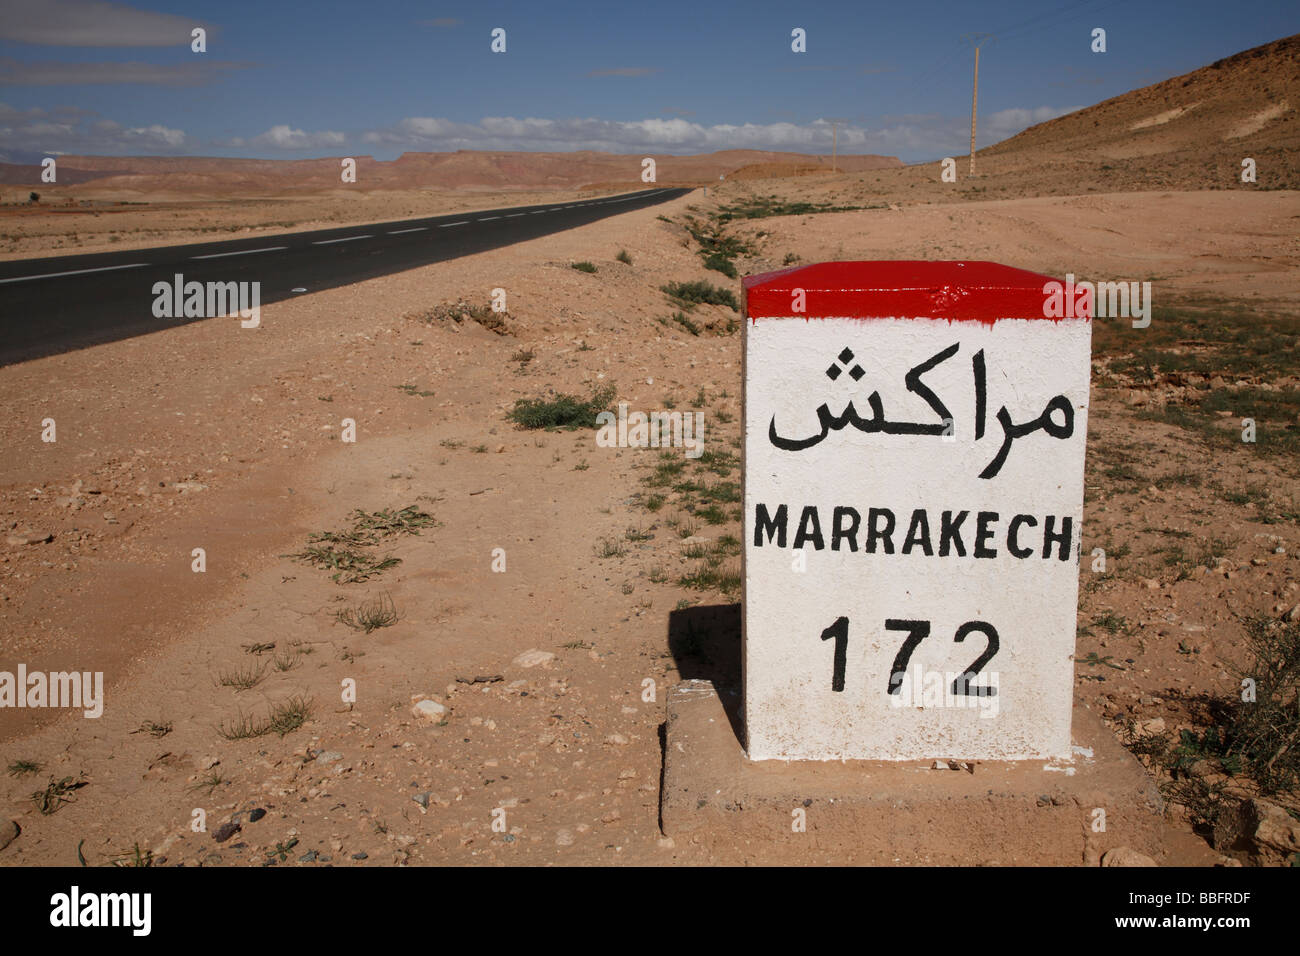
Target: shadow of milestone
705	644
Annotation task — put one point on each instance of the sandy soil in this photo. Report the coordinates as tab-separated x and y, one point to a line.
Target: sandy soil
227	439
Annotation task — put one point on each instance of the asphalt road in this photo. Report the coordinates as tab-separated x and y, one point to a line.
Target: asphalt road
49	306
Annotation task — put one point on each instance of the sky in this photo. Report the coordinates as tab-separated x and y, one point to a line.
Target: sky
284	80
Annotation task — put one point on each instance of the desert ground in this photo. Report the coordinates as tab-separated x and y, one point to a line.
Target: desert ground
537	571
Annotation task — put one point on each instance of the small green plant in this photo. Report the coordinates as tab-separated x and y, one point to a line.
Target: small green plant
243	727
1092	660
209	781
24	768
610	548
1110	621
369	615
712	579
289	715
244	678
690	294
712	514
55	794
350	553
761	207
562	411
584	267
623	257
281	851
154	728
720	263
680	318
134	857
1264	731
413	390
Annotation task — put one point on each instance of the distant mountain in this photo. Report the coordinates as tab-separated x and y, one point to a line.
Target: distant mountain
1197	126
182	176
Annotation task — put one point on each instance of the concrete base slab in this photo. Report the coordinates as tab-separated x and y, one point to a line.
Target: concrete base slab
901	813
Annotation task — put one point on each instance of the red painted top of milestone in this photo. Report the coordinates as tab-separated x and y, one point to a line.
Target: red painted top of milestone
958	291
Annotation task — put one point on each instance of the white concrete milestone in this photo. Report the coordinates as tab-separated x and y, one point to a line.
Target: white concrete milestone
914	451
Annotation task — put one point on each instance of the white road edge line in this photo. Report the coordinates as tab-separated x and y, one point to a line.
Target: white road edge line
400	232
326	242
75	272
537	212
241	252
488	218
513	214
321	242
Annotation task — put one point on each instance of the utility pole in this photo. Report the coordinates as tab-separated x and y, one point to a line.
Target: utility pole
978	39
835	122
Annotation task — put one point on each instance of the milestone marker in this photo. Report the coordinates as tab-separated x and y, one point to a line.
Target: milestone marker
914	450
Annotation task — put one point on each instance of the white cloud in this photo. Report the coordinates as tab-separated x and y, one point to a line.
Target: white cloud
913	137
918	136
656	134
158	135
33	133
286	137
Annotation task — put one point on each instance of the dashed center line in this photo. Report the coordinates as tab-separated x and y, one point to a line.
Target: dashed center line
75	272
326	242
241	252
